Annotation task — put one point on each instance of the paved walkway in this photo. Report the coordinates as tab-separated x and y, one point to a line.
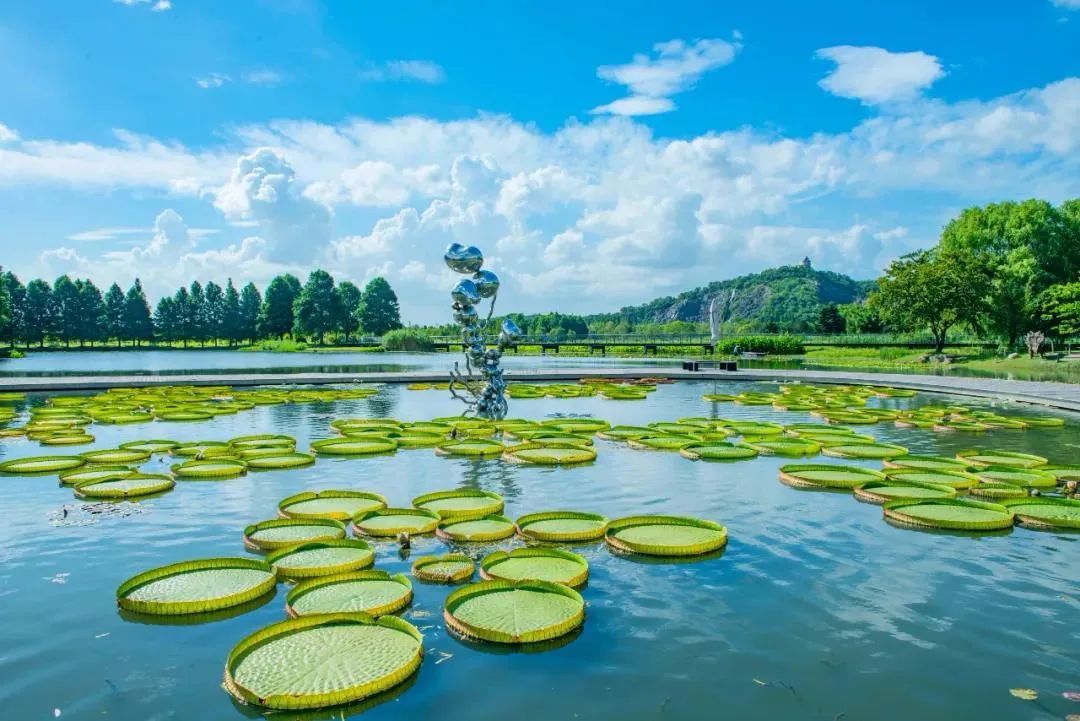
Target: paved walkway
1055	395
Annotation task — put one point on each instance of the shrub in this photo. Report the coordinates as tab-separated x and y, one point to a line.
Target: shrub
775	344
407	339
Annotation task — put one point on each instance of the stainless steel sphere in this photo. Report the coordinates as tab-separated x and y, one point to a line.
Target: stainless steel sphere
463	259
465	292
487	283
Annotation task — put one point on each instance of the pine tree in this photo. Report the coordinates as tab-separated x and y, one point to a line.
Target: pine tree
15	330
94	323
138	324
198	311
230	314
215	312
67	309
114	313
379	312
5	308
318	308
183	314
350	302
39	311
166	320
276	315
250	304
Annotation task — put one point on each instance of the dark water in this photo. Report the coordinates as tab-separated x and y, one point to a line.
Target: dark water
817	610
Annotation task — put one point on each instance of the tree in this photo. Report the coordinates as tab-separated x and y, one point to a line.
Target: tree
1058	309
115	310
15	329
250	303
138	324
198	313
166	320
860	318
934	290
318	307
94	323
830	320
230	314
215	311
379	312
67	309
276	314
350	302
39	310
5	308
182	313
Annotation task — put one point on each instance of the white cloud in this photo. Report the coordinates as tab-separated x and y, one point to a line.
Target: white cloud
676	67
262	76
874	75
421	71
155	5
897	233
212	80
1067	4
7	135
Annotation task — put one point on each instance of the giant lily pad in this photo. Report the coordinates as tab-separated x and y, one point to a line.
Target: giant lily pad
666	535
392	521
864	450
350	446
562	526
133	486
926	463
548	454
882	491
41	464
196	586
282	532
460	503
662	442
958	514
210	468
717	451
1026	477
1044	512
95	473
373	592
777	446
472	447
340	505
986	458
955	479
323	660
321	558
153	445
997	491
816	475
279	461
537	563
514	612
451	568
485	528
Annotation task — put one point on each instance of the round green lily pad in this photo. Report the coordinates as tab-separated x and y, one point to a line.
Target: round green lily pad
984	458
264	441
882	491
151	446
954	479
321	558
625	433
549	454
392	521
754	428
200	586
460	503
322	660
957	514
666	535
514	612
41	464
203	449
279	461
472	447
864	450
350	446
450	568
1026	477
373	592
810	475
210	468
95	473
339	505
578	425
137	484
662	443
1044	512
717	451
538	564
67	438
281	532
773	446
1062	472
1040	421
927	463
995	491
485	528
562	526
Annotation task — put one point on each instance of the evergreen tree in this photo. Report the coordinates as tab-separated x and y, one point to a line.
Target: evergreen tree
94	323
39	310
250	303
198	311
379	312
15	329
67	310
350	303
830	320
166	320
5	308
184	316
318	307
276	314
214	319
114	313
230	314
138	324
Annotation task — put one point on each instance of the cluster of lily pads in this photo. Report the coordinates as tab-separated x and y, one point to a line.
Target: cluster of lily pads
617	389
64	420
526	595
978	490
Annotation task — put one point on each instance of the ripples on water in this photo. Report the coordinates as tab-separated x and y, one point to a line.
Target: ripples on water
817	609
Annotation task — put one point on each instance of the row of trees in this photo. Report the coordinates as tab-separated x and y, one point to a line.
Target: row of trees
74	311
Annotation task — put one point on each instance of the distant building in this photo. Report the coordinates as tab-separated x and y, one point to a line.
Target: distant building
806	262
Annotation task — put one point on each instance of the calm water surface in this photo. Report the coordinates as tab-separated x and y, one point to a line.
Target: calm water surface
817	610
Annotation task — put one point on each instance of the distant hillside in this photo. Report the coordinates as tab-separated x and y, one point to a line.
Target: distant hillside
788	298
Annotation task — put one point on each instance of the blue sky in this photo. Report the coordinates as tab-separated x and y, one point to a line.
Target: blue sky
600	154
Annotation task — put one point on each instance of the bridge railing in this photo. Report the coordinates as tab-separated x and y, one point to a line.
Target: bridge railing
636	339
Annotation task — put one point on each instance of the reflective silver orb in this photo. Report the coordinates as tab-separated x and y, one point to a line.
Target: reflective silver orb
466	315
463	259
510	328
487	283
465	292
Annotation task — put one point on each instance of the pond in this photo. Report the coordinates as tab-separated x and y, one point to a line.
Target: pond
818	608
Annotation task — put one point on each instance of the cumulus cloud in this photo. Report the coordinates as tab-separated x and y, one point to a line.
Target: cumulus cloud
262	76
155	5
420	71
7	135
874	75
1067	4
674	67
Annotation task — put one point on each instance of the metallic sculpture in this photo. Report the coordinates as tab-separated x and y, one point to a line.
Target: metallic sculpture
485	396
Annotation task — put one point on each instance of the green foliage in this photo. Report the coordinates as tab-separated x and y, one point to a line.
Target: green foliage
775	344
138	324
830	320
276	314
15	327
318	308
350	304
379	312
860	318
934	290
5	307
1058	309
230	314
38	318
114	313
250	303
407	339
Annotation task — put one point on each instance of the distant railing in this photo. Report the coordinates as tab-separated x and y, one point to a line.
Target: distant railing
847	339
